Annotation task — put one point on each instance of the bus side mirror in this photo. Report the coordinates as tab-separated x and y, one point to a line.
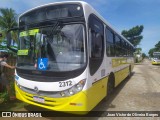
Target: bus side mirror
12	34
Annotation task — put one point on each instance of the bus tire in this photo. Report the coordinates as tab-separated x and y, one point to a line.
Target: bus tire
130	72
110	84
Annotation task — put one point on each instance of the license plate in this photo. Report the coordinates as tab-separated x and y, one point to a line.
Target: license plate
38	99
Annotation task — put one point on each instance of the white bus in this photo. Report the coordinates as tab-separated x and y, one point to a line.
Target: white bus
69	58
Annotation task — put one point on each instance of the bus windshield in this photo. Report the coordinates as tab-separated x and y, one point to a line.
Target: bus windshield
62	45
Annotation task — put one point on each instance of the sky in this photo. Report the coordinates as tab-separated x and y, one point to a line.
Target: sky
121	14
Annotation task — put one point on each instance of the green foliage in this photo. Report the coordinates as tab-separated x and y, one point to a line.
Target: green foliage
3	35
7	18
155	49
138	50
151	51
134	35
7	21
4	97
144	55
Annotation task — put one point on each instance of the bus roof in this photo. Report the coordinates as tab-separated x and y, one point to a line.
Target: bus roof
54	3
85	5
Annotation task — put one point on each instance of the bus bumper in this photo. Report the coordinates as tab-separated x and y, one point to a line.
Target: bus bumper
155	63
80	103
76	104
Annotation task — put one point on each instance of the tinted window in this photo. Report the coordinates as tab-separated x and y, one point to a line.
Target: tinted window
110	48
118	50
109	36
51	12
96	34
117	41
96	38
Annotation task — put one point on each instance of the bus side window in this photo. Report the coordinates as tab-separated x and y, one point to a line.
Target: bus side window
110	47
96	41
96	45
96	37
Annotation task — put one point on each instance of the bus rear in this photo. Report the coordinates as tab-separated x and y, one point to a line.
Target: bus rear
156	58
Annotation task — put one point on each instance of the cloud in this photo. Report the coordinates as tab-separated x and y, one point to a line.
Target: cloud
122	14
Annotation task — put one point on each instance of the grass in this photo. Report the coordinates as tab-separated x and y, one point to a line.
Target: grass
12	106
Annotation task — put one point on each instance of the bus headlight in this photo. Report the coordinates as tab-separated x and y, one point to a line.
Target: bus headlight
73	90
62	94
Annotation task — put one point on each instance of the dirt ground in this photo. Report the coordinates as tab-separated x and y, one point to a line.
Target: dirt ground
140	92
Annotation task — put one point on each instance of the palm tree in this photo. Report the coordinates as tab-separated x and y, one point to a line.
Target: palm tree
7	18
7	21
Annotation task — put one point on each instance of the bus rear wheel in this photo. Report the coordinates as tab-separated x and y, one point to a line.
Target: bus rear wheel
130	72
110	85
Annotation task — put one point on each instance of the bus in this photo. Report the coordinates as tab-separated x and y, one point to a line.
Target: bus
69	57
156	58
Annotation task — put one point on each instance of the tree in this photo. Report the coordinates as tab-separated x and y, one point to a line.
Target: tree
7	21
151	51
138	50
134	35
157	47
144	55
7	18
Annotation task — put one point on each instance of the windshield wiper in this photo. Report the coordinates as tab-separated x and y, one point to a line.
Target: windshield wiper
57	27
